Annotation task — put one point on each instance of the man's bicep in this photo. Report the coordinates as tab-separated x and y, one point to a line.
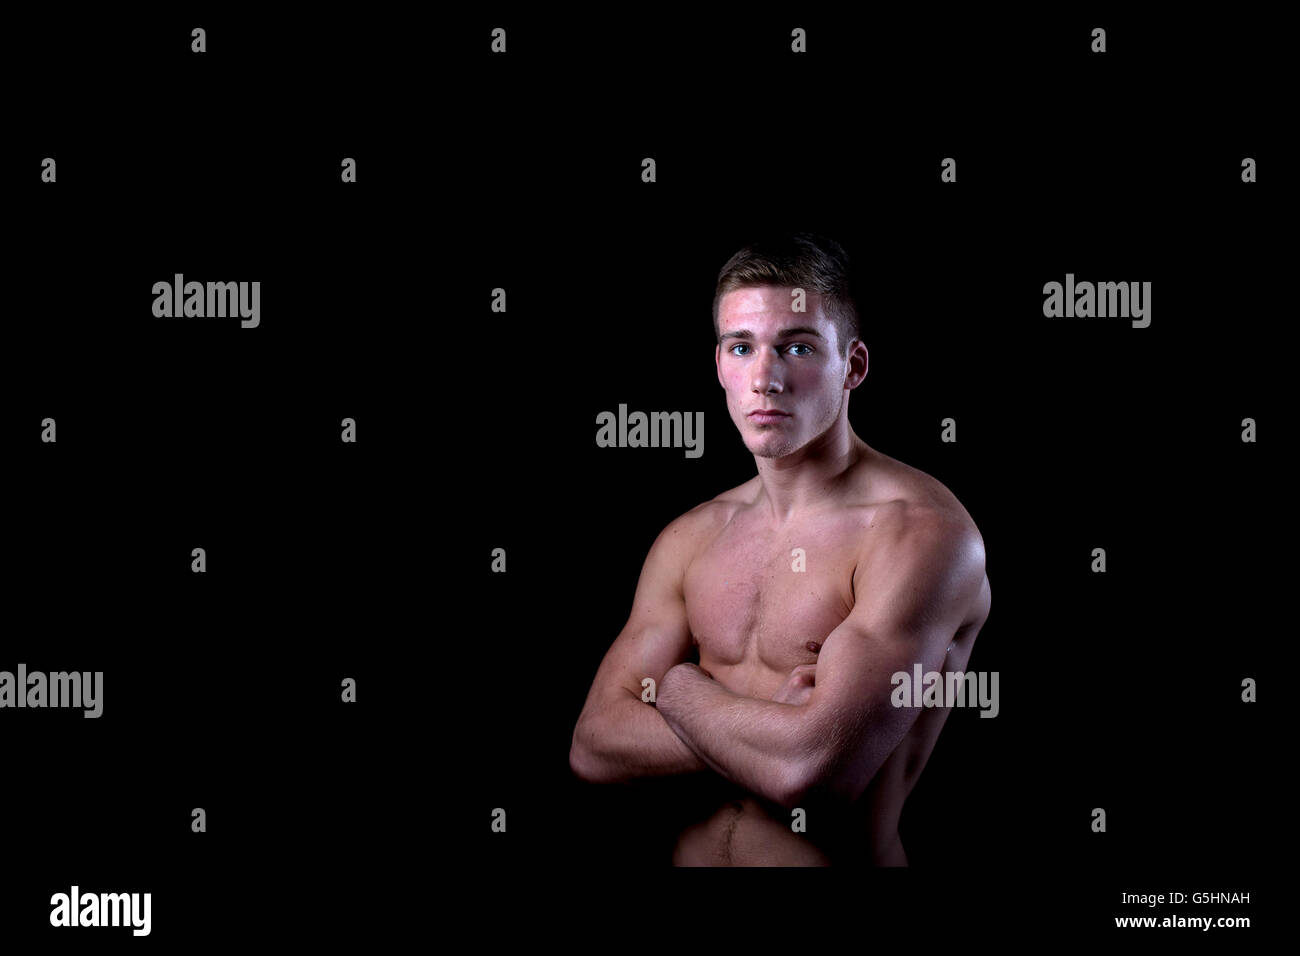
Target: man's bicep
656	635
919	594
643	650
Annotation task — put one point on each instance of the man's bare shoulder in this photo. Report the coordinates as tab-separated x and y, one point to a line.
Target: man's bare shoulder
686	533
904	497
916	517
920	523
904	526
743	494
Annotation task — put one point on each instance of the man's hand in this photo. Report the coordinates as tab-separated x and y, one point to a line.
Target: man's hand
798	686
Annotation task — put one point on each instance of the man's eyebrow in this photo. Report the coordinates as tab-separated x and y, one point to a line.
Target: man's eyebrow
784	333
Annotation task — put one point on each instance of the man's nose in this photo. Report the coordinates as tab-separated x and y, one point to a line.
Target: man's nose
766	373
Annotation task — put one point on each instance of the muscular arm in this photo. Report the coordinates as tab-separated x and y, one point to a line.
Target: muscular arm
618	736
626	739
749	741
912	592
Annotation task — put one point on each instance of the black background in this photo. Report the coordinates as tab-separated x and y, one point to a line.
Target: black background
341	823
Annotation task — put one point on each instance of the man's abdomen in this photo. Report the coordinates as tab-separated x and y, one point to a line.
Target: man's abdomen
742	833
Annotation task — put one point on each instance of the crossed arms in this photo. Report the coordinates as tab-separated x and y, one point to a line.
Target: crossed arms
912	592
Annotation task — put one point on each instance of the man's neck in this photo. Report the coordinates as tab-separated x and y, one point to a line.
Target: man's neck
802	482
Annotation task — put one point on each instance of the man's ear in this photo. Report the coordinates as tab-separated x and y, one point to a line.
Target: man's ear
856	365
717	362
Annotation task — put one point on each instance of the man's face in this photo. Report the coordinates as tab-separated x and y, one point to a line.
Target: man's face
771	357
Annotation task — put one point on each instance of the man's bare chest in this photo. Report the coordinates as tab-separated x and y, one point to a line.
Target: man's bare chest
759	603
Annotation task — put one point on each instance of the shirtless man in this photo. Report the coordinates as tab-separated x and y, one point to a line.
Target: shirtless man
803	590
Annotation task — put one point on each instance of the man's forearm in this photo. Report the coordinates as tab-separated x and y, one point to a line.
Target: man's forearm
753	743
627	739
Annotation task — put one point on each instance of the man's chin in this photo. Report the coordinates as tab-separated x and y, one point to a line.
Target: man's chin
771	449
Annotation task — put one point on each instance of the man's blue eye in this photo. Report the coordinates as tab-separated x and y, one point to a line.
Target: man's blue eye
797	345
